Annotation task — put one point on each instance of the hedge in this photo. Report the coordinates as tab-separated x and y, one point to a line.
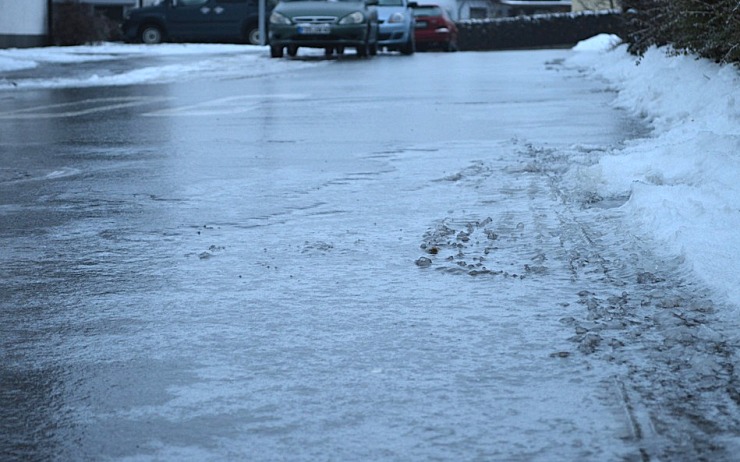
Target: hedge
538	31
79	24
707	28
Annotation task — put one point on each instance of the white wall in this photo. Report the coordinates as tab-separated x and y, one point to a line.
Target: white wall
23	17
596	5
112	2
23	23
108	2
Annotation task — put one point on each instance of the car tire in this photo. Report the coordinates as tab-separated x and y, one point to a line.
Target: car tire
363	50
151	34
373	49
409	47
292	50
276	51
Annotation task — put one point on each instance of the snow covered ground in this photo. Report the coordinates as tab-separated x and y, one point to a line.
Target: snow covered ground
682	181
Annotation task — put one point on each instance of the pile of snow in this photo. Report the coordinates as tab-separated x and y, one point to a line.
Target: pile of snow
206	61
684	180
27	58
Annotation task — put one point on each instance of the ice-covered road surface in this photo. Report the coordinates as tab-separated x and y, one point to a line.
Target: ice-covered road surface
354	260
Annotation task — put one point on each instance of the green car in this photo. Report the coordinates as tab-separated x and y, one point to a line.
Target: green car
329	24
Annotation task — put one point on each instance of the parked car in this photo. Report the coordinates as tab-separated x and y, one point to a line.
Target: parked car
434	28
194	21
328	24
397	25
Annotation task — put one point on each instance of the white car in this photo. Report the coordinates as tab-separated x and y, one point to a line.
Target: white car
397	26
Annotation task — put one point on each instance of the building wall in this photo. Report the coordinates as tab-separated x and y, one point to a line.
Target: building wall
477	9
596	5
113	9
109	2
23	23
485	9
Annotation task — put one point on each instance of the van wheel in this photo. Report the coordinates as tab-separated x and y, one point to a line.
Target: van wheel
252	34
276	51
151	35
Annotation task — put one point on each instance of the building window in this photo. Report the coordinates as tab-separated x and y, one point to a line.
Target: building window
478	13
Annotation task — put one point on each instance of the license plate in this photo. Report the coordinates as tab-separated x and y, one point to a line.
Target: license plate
421	24
314	29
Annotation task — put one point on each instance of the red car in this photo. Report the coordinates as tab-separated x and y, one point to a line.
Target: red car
434	28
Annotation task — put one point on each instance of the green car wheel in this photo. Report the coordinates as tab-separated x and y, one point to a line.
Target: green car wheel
276	51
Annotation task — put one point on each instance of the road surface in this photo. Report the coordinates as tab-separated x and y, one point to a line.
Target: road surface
354	260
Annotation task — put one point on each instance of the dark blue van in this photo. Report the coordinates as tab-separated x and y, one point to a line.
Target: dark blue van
194	21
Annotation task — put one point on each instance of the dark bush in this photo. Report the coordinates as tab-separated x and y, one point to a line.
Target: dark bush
77	24
708	28
539	31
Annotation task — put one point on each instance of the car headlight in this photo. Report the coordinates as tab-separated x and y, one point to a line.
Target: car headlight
353	18
277	18
396	17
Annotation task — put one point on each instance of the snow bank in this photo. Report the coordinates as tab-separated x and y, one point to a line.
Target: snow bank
206	61
683	181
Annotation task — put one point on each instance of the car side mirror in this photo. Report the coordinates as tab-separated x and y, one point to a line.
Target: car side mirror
371	2
413	5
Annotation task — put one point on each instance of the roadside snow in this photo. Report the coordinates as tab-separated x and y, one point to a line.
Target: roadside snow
683	182
208	60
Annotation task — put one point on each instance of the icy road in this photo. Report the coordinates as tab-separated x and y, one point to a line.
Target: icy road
340	260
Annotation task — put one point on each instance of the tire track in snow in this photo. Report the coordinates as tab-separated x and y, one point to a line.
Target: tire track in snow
680	386
647	319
